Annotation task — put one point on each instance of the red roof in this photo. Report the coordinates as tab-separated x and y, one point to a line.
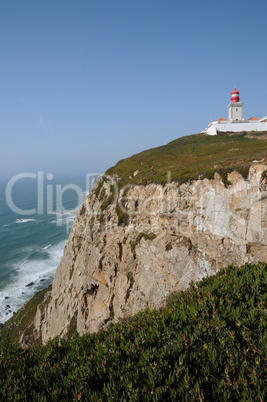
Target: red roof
221	119
235	92
254	118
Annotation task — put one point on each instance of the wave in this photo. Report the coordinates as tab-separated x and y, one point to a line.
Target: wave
64	217
25	220
39	255
46	247
30	247
62	220
33	274
64	212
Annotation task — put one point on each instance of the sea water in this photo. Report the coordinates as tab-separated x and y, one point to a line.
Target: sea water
36	216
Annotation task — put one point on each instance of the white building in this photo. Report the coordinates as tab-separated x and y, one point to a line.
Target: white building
236	122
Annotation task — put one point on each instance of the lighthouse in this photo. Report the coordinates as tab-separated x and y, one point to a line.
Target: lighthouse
236	122
235	108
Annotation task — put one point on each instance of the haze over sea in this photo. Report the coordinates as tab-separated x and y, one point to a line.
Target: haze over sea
32	242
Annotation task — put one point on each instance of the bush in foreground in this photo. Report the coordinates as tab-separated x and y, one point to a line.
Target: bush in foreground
208	344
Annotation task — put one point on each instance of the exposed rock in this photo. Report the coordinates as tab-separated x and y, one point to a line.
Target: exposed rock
131	254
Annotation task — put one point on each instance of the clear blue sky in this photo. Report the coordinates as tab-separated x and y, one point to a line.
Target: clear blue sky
85	83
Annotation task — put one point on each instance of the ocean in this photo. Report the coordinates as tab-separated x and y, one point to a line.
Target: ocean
36	214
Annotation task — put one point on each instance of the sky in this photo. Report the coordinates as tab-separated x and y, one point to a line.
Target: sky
86	83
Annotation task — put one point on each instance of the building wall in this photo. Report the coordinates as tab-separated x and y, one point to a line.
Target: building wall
235	111
235	127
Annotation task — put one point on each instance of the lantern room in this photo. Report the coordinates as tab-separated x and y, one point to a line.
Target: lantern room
235	96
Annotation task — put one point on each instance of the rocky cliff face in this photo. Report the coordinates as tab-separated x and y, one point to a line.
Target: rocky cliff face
128	250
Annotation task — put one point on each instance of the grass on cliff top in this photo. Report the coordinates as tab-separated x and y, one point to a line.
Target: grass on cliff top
208	344
192	157
22	320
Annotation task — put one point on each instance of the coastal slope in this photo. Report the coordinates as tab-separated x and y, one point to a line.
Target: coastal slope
154	223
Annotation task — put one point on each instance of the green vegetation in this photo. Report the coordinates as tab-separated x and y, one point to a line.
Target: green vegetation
71	271
99	187
146	236
120	251
22	320
110	199
168	246
193	157
83	210
208	344
123	217
188	158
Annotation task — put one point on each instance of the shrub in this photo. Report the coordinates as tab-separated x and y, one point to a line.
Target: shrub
209	344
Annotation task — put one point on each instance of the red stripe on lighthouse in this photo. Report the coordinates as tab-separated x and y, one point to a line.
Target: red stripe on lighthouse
235	96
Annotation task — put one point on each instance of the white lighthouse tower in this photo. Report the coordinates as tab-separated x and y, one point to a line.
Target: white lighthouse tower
236	122
235	108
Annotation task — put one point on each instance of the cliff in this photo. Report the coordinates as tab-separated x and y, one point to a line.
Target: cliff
137	238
